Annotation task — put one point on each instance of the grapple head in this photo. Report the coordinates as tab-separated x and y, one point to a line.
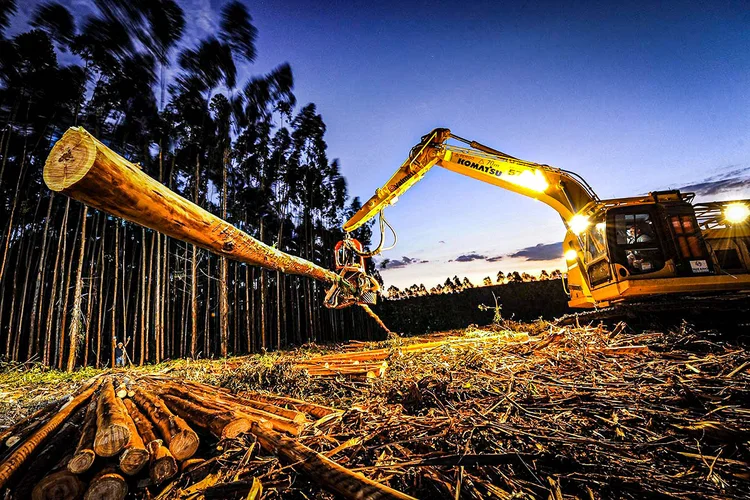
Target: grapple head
355	285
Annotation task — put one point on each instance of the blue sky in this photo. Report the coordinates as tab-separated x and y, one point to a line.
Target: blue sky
634	96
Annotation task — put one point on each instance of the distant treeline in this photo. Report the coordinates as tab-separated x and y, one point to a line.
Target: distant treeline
519	300
457	285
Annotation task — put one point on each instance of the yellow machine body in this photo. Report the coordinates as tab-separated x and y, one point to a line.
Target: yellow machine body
619	250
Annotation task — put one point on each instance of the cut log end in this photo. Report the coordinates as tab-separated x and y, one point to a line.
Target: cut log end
62	485
111	440
110	485
184	444
163	465
70	159
235	427
132	460
81	461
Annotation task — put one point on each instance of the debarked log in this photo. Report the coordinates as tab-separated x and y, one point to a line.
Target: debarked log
180	438
135	455
112	430
84	455
162	465
109	484
222	423
83	168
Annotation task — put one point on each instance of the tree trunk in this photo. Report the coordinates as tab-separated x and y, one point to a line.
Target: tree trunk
76	314
223	299
51	309
84	454
63	312
85	169
89	307
181	439
100	268
114	299
35	326
162	464
143	297
108	484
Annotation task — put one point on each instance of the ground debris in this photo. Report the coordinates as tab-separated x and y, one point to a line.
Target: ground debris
511	411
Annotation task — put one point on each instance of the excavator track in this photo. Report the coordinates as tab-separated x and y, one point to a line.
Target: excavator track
725	311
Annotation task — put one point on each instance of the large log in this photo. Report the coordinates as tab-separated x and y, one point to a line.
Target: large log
226	411
324	471
221	396
107	484
162	465
135	455
222	423
316	410
180	438
83	168
21	454
60	485
112	430
84	455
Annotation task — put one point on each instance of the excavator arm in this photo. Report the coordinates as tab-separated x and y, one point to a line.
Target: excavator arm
564	191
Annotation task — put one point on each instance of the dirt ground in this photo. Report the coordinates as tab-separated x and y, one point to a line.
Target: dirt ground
511	411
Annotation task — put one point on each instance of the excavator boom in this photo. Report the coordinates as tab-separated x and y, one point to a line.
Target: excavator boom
563	191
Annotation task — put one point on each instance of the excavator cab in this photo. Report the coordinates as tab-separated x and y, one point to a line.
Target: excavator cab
635	248
349	259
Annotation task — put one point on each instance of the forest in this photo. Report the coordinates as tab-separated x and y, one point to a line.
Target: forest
75	281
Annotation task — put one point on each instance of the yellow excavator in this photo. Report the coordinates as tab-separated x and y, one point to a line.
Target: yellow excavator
618	251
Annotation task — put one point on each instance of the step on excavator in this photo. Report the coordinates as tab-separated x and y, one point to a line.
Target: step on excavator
641	249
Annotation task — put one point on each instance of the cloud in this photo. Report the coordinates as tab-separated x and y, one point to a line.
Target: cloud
397	264
736	179
495	258
469	257
549	251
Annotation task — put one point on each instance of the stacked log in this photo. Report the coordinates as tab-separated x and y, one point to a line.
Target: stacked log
119	428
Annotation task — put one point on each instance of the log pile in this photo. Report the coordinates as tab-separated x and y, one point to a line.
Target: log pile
140	434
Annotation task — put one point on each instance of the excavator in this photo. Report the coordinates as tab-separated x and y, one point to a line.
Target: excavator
618	251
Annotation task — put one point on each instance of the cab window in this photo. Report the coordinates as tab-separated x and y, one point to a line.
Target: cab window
636	236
